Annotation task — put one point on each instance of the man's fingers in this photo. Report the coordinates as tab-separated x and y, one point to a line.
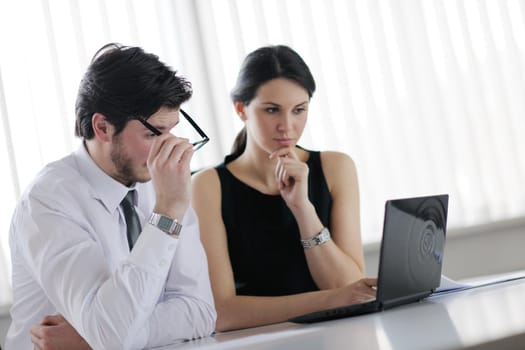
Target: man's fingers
170	150
51	320
35	331
186	155
157	144
40	332
37	341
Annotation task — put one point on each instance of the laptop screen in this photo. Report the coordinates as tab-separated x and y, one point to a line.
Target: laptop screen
412	248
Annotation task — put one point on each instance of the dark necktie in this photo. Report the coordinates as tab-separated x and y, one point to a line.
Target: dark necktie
133	228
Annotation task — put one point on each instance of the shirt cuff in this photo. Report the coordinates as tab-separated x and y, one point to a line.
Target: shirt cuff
153	251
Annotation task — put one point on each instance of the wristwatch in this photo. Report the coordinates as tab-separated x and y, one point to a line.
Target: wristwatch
166	224
318	239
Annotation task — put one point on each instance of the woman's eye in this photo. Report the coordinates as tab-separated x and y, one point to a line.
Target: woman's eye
299	110
271	110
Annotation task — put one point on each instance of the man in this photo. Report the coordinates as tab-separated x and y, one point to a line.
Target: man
73	235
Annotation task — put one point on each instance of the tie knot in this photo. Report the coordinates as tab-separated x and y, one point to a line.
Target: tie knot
129	199
133	226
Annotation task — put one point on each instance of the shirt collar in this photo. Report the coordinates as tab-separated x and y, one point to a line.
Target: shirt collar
103	187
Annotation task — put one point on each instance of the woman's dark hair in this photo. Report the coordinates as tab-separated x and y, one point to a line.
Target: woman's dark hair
262	65
125	83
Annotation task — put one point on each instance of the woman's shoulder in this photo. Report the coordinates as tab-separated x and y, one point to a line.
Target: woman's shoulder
338	168
325	156
206	177
331	159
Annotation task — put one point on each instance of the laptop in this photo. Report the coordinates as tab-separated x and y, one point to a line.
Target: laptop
410	260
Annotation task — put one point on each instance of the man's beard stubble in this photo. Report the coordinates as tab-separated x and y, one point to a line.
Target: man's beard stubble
123	163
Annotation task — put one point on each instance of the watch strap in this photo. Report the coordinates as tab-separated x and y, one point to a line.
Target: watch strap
165	223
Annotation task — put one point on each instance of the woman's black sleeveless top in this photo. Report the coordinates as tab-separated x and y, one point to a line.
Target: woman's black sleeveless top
263	237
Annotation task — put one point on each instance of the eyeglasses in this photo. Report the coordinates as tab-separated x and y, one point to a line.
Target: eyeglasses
196	144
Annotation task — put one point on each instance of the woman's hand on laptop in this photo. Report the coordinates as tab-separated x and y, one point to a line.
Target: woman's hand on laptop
358	292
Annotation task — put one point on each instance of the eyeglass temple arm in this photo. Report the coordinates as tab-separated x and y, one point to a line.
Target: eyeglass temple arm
151	128
192	122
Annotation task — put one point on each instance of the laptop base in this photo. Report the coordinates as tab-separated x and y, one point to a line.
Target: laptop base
339	312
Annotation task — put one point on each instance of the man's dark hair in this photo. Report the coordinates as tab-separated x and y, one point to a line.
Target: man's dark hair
125	83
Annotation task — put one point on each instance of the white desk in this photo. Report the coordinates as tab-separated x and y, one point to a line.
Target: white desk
491	317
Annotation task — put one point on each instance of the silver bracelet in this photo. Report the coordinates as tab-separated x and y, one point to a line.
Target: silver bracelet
320	238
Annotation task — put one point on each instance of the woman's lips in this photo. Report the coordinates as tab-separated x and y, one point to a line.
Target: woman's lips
284	142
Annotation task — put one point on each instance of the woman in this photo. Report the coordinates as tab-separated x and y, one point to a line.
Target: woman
280	224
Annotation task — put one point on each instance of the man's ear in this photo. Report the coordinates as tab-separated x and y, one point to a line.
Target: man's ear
239	109
101	127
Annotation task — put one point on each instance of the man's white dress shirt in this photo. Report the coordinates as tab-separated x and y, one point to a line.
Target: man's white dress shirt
70	256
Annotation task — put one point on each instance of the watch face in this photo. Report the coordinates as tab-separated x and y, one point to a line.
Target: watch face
164	223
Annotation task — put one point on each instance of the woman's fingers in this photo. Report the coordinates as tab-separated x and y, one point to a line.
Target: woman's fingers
284	153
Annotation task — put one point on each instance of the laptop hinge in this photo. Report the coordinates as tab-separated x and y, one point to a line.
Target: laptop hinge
386	304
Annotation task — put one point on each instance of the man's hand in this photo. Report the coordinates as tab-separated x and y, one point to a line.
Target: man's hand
169	167
55	333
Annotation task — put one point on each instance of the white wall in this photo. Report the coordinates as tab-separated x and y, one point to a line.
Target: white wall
475	251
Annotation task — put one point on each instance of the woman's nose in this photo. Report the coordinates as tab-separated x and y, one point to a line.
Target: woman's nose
285	122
